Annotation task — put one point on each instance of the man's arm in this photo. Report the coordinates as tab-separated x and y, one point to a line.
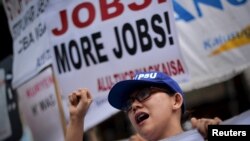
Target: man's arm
202	124
79	102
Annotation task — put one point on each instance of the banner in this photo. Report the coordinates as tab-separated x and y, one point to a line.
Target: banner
214	39
98	43
30	40
213	36
40	109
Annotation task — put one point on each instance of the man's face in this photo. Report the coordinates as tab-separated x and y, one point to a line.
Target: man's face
151	116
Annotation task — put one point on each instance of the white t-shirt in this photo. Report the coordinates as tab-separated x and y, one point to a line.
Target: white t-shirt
190	135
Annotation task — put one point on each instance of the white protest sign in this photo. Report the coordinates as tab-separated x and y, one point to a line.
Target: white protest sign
39	107
98	43
30	39
214	39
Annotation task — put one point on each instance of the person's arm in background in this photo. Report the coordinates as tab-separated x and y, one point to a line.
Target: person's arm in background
80	101
202	124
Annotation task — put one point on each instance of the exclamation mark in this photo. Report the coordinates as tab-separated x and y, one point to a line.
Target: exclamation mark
170	38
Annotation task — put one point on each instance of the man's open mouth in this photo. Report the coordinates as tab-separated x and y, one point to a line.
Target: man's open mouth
141	117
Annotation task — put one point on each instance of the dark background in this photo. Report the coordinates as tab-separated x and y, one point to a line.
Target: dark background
6	39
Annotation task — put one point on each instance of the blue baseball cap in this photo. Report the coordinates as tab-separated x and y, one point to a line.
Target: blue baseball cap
120	92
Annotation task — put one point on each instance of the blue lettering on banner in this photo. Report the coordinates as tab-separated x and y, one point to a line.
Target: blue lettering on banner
217	41
187	16
43	58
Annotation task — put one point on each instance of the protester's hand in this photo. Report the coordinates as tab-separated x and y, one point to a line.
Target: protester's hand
80	101
202	124
136	137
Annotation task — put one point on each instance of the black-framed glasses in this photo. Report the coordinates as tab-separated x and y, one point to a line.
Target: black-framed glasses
142	95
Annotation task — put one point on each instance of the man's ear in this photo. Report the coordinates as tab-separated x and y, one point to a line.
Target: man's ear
178	100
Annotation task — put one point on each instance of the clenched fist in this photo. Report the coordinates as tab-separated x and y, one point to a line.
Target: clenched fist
80	101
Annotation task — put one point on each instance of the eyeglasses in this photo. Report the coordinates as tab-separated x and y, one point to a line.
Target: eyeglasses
141	96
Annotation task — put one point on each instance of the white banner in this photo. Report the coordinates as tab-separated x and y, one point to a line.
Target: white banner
98	43
214	39
214	35
39	107
30	40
